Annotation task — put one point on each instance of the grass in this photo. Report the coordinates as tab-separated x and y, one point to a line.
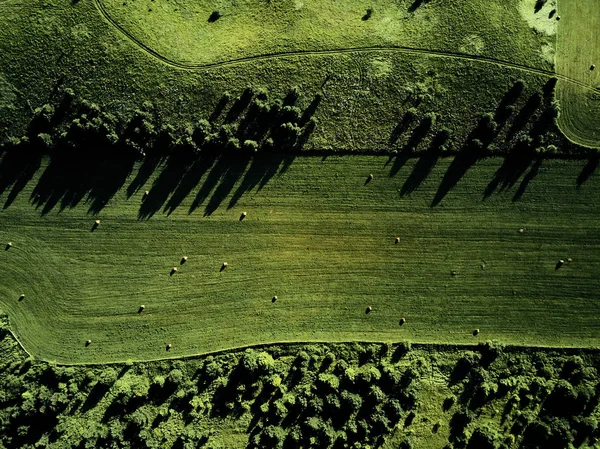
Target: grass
324	243
51	44
578	47
181	32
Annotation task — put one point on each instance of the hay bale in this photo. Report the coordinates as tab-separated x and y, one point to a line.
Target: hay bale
223	266
244	214
522	230
368	310
183	260
169	346
475	332
402	321
570	259
274	299
173	271
22	297
141	309
397	240
88	342
97	223
593	67
8	246
559	264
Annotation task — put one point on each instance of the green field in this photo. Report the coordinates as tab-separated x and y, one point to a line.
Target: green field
578	48
180	32
323	242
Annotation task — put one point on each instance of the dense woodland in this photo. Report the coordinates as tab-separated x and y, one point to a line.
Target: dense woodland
319	396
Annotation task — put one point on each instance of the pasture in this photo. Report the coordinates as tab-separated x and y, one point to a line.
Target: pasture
578	50
323	240
196	34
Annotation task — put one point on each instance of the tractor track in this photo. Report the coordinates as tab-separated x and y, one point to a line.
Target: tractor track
338	51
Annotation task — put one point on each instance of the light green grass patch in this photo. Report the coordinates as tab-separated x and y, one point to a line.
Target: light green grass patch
181	33
578	47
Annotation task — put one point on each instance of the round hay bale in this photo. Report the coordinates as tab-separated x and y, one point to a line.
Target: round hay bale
570	259
97	223
475	332
223	266
402	321
183	260
368	310
141	309
88	342
557	17
22	297
397	240
9	245
173	271
244	214
274	299
169	346
593	67
522	230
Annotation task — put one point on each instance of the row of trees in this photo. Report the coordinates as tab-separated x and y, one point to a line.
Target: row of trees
253	123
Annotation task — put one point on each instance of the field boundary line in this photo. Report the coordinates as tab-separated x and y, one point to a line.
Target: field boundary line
286	343
379	49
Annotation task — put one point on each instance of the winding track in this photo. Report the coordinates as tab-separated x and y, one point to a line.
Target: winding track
378	49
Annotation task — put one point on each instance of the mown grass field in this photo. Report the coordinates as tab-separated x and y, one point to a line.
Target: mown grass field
578	48
181	32
323	242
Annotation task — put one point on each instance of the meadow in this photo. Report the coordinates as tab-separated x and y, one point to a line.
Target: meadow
578	56
322	238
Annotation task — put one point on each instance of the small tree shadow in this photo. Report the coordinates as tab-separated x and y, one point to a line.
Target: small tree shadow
588	170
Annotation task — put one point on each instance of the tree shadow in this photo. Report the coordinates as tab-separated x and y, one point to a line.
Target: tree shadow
230	176
513	167
239	106
17	168
463	161
144	172
525	114
68	180
401	127
420	172
167	181
219	108
189	181
262	168
533	172
416	4
588	170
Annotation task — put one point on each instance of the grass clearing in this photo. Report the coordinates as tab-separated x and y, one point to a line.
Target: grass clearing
181	32
578	48
323	242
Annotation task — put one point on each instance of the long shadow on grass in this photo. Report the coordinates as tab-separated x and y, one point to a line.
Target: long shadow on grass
588	170
68	180
462	162
189	181
514	166
17	167
260	172
420	172
167	182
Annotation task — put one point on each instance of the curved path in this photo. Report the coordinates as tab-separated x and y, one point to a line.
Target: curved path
379	49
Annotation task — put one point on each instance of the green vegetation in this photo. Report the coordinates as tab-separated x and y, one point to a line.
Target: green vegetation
316	237
578	54
185	33
278	193
300	396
